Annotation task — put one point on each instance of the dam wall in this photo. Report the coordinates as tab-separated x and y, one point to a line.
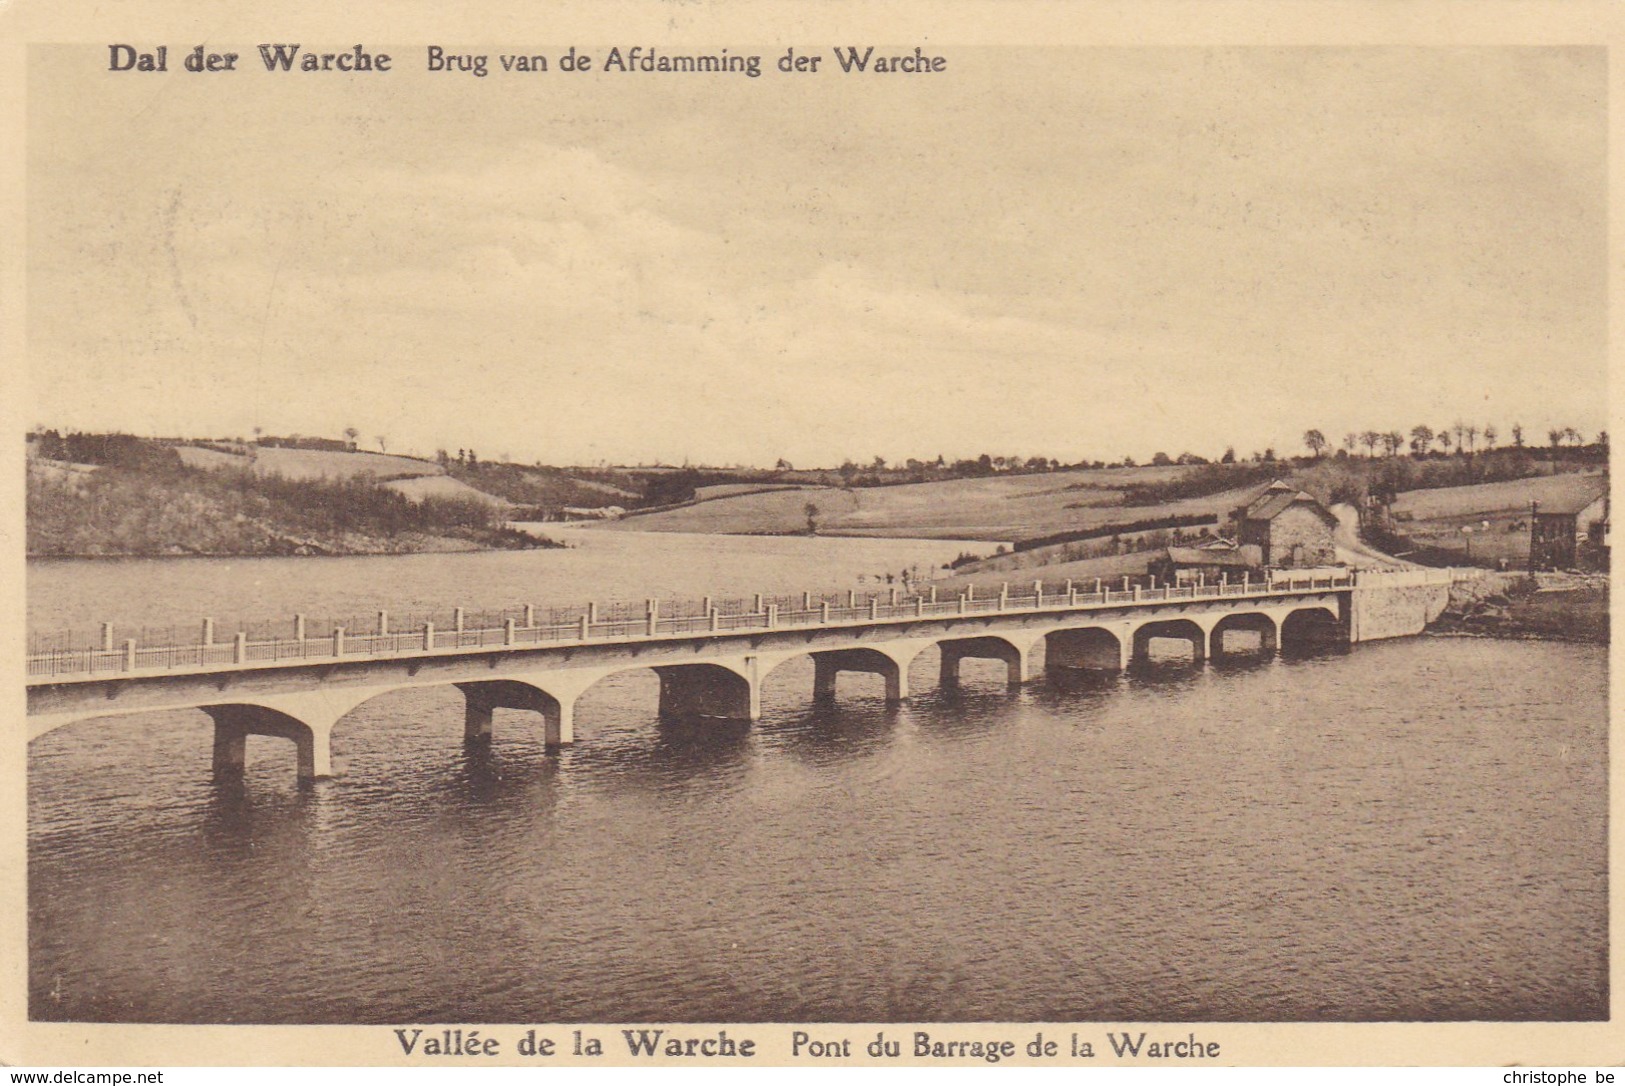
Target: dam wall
1398	603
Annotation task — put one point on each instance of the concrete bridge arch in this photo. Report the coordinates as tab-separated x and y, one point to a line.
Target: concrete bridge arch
713	669
1012	647
889	659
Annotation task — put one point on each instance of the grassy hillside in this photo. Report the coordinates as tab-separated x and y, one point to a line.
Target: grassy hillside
1001	508
304	463
143	499
1496	516
1508	496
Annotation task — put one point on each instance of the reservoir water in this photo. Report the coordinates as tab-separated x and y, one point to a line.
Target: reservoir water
1411	829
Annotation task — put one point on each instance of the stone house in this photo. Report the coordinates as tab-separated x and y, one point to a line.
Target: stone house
1571	531
1291	529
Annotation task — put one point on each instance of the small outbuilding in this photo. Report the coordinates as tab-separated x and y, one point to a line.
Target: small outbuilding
1221	560
1289	527
1570	531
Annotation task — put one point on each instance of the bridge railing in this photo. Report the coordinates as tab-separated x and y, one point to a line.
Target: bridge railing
622	622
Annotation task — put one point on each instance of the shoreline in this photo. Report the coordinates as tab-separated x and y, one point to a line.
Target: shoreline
1518	634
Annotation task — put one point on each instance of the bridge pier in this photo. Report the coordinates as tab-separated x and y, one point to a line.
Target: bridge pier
1262	623
1180	629
708	690
982	648
233	724
481	699
828	665
1092	648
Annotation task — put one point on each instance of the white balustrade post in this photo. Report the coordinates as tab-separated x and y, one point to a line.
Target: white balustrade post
874	608
772	615
716	619
586	626
705	605
933	593
208	631
239	648
383	623
851	599
823	611
298	627
129	654
964	600
457	618
428	637
806	601
530	616
507	631
756	608
894	596
1038	593
338	640
592	612
651	615
107	637
919	605
1136	591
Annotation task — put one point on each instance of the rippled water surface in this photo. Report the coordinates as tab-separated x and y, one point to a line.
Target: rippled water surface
1413	829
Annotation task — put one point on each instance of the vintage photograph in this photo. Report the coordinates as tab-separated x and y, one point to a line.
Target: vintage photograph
786	530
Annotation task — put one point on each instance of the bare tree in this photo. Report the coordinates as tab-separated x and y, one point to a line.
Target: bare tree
1370	440
1517	435
1490	433
811	511
1316	441
351	434
383	443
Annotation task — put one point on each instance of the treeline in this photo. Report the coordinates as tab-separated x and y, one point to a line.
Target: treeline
540	492
1105	531
1201	481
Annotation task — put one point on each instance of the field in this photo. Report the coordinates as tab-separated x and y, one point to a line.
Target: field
1000	508
441	486
307	463
1487	523
1512	496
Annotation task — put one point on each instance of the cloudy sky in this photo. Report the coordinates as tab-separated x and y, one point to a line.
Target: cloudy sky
1078	253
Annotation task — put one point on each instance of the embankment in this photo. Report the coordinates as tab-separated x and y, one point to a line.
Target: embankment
1518	606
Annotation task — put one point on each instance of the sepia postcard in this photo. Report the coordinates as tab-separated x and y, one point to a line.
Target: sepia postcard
821	535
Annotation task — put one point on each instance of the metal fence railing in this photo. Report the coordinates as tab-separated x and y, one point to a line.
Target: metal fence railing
387	634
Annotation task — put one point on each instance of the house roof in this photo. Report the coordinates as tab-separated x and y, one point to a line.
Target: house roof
1572	499
1197	556
1277	498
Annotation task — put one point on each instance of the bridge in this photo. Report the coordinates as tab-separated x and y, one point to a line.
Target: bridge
712	657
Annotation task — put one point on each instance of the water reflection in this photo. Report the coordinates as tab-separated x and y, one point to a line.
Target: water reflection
1256	839
824	734
675	753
